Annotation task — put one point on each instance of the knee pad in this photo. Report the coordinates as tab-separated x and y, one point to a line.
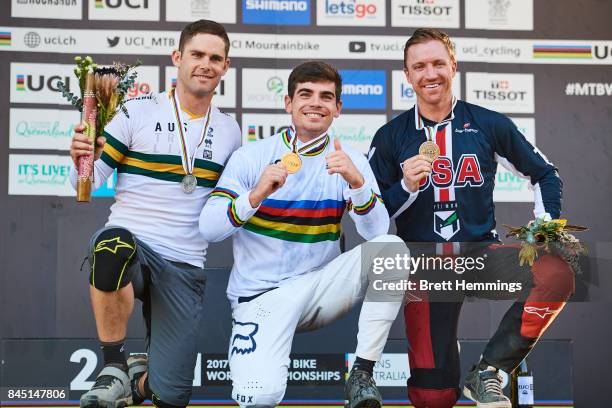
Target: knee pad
432	398
111	255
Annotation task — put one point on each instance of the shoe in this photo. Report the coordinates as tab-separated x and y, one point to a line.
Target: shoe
485	388
112	389
137	367
361	392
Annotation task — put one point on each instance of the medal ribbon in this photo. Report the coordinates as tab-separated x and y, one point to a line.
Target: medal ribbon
304	149
431	131
188	161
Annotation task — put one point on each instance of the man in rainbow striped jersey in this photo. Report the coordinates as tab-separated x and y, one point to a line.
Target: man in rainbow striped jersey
282	199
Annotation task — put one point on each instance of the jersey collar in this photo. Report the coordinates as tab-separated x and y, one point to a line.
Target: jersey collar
310	148
420	124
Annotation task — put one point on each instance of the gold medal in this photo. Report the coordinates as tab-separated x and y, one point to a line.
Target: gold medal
429	149
292	162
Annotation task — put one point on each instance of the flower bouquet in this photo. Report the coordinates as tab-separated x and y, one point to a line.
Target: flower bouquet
551	236
103	91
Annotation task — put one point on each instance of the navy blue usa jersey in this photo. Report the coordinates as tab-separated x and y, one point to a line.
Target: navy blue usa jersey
455	203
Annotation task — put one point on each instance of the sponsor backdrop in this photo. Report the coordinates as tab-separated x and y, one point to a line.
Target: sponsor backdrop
544	64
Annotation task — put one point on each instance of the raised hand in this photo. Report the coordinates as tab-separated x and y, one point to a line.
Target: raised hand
416	169
272	178
340	162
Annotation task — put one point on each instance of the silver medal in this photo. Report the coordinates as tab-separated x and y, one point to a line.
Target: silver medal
189	183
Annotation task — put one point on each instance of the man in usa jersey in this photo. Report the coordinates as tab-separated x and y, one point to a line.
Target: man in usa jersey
436	165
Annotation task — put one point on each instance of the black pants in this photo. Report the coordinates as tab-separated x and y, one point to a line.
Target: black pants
431	324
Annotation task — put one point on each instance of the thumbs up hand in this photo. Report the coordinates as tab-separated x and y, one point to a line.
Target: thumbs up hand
340	162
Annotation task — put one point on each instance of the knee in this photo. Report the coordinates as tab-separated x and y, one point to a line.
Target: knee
111	253
433	398
258	398
387	238
554	276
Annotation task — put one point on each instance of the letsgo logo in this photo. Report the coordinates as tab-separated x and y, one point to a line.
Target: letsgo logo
364	89
280	12
351	13
350	8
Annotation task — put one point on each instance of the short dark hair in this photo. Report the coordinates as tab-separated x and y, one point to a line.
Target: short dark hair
422	35
314	71
204	27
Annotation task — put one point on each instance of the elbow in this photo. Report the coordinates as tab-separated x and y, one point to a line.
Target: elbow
206	231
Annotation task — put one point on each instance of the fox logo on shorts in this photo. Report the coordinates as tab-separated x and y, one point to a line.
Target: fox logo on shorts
243	341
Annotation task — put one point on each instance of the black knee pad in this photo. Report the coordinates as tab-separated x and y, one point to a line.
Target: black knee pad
113	252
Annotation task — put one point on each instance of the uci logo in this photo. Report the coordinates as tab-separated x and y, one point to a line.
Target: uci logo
467	173
33	83
602	52
259	131
113	4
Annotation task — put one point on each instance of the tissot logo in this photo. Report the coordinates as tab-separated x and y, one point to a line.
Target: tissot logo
425	8
500	90
510	93
427	13
280	12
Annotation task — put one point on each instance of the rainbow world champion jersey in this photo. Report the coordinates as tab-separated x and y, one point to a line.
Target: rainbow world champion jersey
297	228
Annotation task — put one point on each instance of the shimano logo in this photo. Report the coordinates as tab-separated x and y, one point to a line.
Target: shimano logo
362	89
277	5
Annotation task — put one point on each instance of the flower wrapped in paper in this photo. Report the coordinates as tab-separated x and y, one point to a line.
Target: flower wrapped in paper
103	91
